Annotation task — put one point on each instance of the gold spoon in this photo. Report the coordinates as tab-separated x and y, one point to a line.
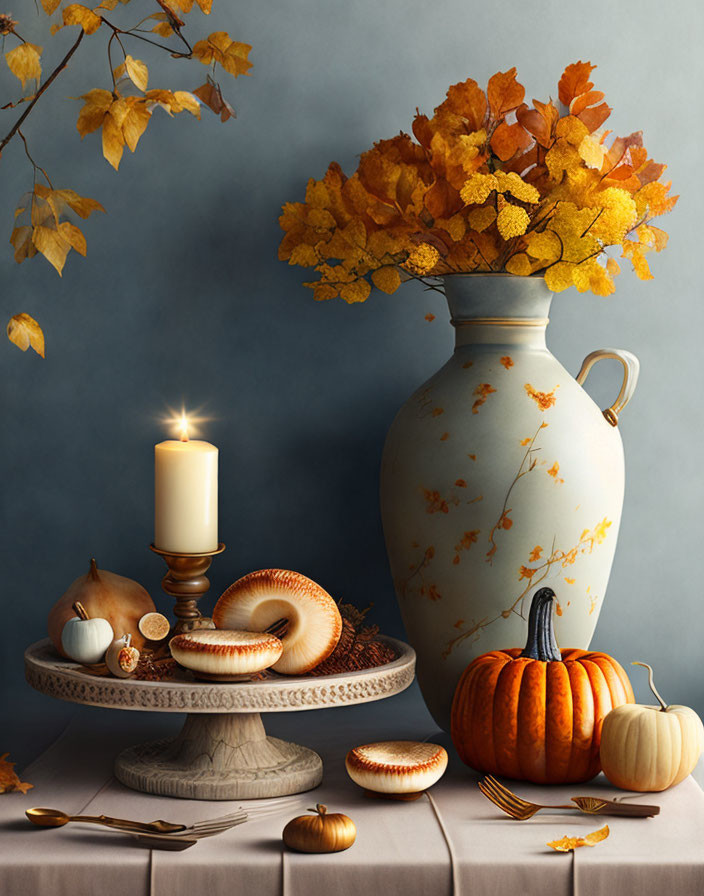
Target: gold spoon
54	818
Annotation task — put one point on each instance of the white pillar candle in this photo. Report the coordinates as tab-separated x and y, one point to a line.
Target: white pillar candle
186	496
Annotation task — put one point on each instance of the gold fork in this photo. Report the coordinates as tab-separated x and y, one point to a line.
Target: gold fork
522	810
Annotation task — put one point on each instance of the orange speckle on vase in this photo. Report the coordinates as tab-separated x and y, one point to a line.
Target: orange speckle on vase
558	608
445	436
456	559
553	471
544	400
414	544
526	441
437	411
429	317
535	554
483	391
505	521
570	581
507	361
460	483
467	365
472	456
569	602
525	572
459	623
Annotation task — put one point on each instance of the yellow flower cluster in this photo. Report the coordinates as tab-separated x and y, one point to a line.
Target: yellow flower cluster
486	184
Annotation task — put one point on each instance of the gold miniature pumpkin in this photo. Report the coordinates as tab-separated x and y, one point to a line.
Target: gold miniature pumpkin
650	748
320	832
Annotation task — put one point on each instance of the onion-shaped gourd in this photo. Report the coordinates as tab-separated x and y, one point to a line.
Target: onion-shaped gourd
536	714
121	657
121	601
320	832
85	640
650	748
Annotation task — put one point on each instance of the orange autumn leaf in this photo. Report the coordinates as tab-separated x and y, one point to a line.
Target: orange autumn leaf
24	332
507	361
504	93
429	317
468	101
575	81
9	780
566	844
508	139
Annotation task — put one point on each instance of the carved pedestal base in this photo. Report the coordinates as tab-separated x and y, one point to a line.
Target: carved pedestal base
220	757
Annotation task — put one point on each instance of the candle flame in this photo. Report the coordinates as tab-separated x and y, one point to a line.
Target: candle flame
184	424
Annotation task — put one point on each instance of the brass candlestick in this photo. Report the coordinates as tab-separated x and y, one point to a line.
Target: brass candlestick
186	582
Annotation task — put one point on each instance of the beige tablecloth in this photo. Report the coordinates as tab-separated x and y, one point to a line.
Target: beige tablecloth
450	842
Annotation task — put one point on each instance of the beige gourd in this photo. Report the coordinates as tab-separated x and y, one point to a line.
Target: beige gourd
320	832
650	748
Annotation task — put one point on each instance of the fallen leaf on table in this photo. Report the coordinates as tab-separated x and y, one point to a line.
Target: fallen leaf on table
568	843
8	777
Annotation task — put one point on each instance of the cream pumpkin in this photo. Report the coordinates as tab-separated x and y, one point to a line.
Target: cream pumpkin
650	748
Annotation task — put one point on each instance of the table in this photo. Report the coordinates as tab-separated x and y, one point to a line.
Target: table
222	751
451	842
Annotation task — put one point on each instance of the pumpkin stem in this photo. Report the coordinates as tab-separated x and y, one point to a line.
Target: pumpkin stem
93	571
651	684
319	808
541	643
80	610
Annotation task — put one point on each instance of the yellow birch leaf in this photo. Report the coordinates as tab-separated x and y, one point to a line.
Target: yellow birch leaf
612	266
52	246
135	124
76	14
24	332
50	6
24	62
357	291
387	279
119	71
205	6
137	72
95	108
21	239
74	237
188	102
113	141
81	205
163	29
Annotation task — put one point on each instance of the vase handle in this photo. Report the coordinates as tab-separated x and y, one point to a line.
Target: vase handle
631	367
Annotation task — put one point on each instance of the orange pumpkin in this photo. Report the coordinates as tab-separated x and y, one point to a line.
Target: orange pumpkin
536	714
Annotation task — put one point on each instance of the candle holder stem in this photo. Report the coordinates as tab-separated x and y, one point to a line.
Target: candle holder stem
186	582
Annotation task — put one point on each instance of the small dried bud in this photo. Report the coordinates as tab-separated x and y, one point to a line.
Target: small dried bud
7	24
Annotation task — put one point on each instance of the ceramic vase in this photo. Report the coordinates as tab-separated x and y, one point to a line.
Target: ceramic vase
500	475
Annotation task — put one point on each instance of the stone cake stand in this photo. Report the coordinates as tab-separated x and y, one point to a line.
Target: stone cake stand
222	751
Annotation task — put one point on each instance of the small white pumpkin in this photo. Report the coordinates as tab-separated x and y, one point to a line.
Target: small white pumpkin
650	748
121	657
86	639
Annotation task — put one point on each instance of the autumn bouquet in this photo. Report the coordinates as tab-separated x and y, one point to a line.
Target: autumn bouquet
488	185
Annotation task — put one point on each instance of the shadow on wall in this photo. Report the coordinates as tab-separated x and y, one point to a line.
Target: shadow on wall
324	519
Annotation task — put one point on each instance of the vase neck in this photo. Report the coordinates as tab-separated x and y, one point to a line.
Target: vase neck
498	309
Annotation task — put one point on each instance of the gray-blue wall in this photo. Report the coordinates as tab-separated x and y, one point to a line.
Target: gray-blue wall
181	298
